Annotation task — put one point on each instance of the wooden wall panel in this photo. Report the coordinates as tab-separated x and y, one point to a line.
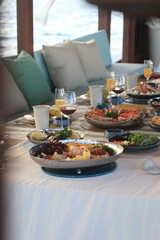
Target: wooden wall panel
104	20
25	26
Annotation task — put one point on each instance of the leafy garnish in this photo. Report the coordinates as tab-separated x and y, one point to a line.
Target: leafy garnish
141	139
111	114
65	133
106	148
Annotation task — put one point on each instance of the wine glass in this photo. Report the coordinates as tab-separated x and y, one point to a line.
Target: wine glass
60	101
119	86
110	83
147	71
70	105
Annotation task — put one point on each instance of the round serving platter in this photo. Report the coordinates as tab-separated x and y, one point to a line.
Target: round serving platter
115	124
78	164
143	96
142	148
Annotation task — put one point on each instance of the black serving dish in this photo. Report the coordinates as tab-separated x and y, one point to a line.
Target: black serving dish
152	103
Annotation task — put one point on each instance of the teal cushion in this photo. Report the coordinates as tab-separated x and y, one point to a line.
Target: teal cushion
29	79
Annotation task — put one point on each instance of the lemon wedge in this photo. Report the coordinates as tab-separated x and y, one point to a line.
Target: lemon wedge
75	135
54	113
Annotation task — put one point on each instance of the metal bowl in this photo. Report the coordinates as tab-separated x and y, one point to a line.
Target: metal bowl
63	164
115	124
143	96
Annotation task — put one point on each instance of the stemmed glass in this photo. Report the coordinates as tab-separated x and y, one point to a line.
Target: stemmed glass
119	86
70	105
147	71
110	83
60	101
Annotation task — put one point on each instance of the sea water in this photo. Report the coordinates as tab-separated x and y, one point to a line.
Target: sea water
66	20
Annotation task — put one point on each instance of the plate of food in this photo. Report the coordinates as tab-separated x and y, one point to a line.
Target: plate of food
110	118
136	141
47	135
68	154
155	123
144	91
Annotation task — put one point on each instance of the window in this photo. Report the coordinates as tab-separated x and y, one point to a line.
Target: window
8	26
66	20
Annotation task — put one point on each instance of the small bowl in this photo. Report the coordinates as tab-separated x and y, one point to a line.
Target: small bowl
65	122
152	103
112	132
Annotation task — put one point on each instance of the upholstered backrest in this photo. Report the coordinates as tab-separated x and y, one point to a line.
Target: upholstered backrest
42	65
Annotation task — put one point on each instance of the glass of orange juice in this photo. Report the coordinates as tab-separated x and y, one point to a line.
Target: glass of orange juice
110	83
60	101
147	71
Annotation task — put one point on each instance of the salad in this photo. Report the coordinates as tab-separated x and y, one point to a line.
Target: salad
137	139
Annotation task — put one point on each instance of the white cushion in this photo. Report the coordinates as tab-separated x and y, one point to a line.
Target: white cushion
13	100
91	60
64	66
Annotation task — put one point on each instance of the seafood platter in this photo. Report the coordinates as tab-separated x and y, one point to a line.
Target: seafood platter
114	117
144	91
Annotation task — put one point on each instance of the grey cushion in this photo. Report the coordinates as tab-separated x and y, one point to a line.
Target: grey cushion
64	66
13	100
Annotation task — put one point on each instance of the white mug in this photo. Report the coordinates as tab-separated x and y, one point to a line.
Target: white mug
95	95
131	80
41	115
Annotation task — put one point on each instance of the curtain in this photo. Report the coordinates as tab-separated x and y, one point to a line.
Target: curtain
43	11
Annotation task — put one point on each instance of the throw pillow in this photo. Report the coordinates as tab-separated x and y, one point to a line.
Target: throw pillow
64	66
91	60
13	100
29	79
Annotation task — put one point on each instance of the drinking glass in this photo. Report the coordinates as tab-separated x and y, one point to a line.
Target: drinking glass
70	105
119	86
147	71
110	83
60	101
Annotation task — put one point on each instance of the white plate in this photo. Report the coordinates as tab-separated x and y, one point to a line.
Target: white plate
84	98
35	141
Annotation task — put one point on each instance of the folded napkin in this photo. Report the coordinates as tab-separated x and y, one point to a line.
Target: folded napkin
26	120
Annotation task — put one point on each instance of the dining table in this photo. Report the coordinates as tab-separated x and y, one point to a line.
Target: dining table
123	204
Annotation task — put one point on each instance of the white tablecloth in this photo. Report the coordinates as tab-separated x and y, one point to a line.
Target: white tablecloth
122	205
